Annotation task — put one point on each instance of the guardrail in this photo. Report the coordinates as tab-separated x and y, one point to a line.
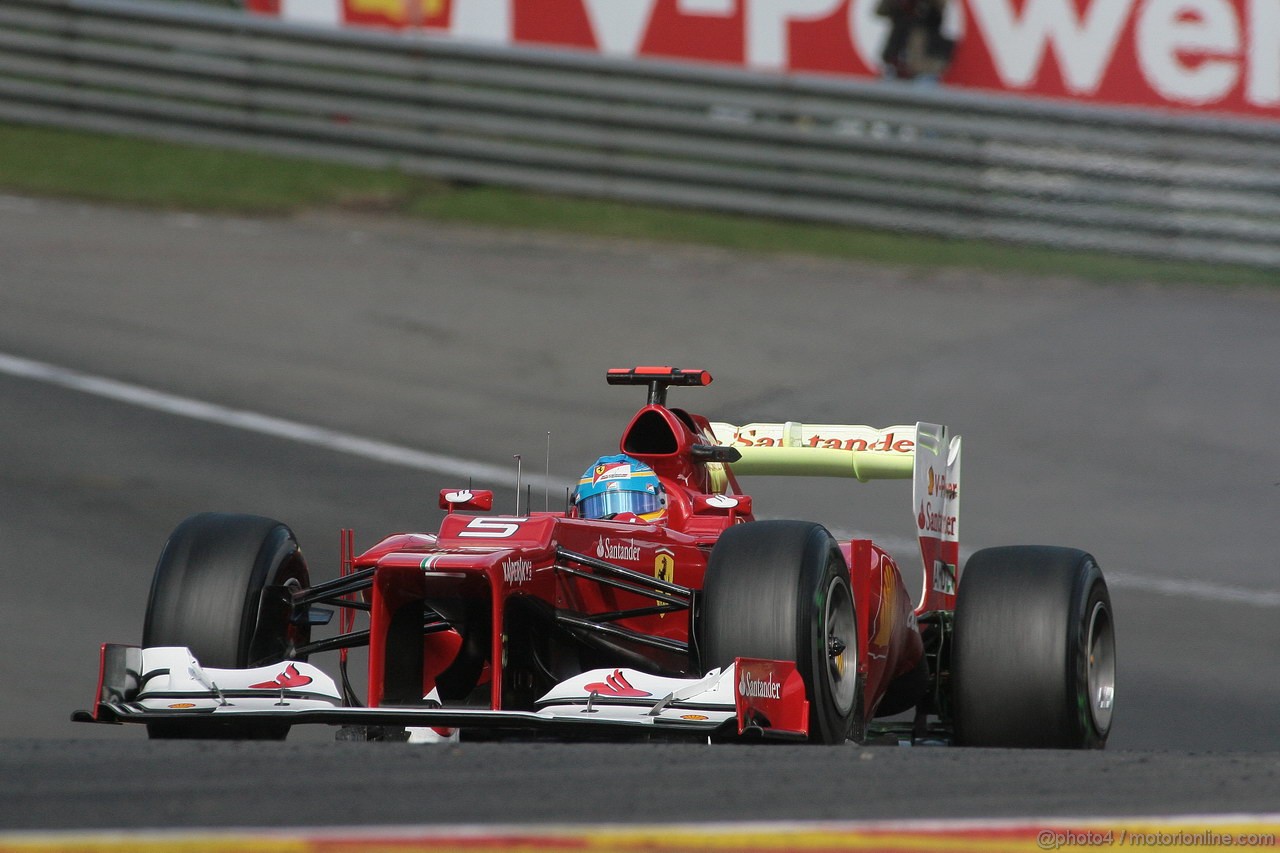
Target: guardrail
880	154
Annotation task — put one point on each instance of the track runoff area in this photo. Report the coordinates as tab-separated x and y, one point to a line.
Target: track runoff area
1179	833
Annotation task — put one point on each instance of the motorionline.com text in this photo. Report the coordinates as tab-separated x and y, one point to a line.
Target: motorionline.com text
1055	839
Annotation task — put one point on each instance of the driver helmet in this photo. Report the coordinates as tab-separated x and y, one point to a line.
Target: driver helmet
615	485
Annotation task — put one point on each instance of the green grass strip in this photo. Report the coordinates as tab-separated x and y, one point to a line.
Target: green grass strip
120	170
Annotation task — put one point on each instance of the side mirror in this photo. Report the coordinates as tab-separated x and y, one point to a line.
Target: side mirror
456	499
714	453
722	505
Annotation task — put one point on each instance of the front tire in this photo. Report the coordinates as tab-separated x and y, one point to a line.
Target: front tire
780	590
1034	657
222	588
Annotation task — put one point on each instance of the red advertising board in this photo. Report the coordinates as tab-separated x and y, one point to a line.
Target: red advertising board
1195	55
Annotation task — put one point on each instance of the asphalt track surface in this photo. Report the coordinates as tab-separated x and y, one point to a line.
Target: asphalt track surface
1138	422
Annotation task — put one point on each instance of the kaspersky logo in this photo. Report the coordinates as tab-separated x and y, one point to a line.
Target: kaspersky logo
517	571
755	688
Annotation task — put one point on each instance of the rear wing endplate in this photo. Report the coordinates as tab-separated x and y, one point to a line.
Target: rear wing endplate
936	498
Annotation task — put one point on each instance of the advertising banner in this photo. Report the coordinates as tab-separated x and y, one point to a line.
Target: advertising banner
1187	55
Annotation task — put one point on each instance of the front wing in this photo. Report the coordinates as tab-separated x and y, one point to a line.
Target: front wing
168	685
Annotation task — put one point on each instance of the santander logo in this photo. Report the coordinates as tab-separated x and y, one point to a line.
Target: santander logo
750	687
607	549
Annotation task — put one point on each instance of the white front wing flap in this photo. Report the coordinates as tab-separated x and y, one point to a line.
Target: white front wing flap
169	678
168	684
630	697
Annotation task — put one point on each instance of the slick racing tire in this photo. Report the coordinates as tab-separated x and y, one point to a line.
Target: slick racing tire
780	590
1034	661
222	588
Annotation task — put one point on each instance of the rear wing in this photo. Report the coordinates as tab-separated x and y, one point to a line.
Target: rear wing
924	453
821	450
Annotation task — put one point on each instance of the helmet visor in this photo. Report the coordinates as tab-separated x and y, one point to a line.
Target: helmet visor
611	503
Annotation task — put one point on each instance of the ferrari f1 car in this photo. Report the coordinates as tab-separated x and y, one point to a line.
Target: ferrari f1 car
684	617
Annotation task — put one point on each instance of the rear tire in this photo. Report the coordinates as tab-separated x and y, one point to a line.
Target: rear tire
780	590
1034	657
222	588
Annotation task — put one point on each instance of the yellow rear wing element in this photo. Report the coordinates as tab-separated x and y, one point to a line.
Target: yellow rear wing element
821	450
814	462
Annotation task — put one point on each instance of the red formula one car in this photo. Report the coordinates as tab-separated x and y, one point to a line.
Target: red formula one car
655	605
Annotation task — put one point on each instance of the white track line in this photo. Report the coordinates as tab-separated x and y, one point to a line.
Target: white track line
378	451
482	472
1196	589
904	550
